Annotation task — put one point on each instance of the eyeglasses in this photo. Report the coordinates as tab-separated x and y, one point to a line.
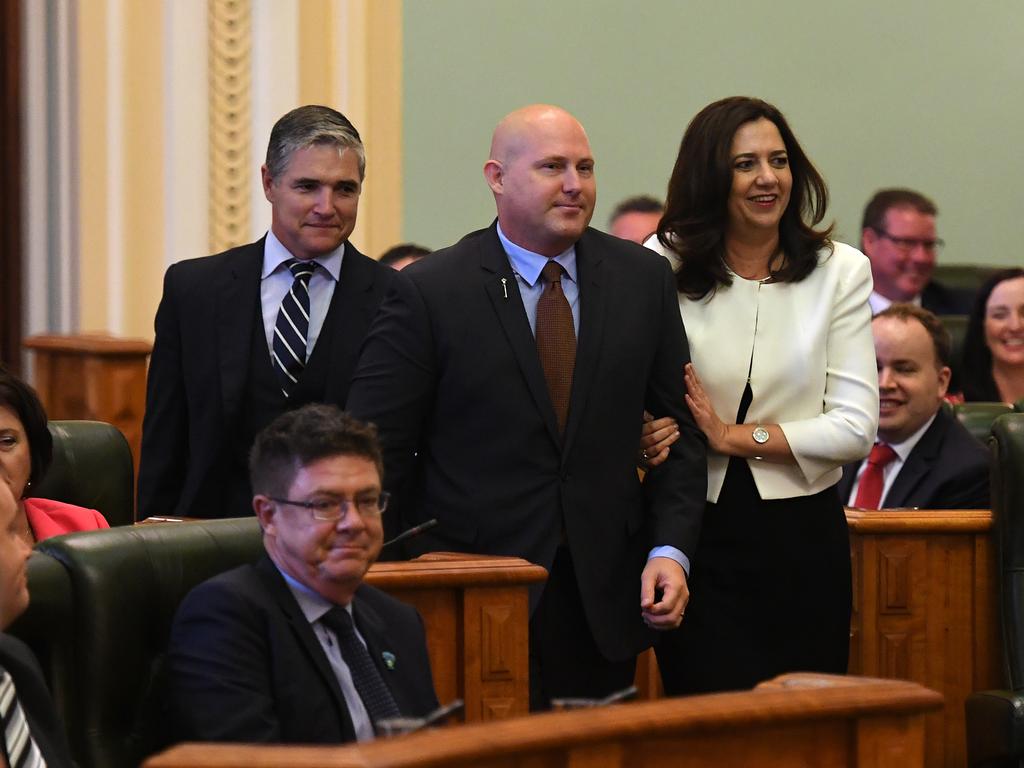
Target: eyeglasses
907	244
335	509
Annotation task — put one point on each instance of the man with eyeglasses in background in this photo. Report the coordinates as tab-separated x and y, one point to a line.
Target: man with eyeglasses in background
295	648
898	236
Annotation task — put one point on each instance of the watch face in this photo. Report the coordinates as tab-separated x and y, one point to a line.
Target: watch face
760	435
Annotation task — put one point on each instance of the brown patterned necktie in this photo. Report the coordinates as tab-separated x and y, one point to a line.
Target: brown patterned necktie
556	341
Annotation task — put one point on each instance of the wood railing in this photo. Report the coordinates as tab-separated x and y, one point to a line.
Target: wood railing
476	611
793	720
96	377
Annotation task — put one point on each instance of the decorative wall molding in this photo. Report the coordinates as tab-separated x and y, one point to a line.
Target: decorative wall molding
230	107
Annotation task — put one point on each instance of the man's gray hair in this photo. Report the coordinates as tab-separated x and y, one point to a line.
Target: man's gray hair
308	126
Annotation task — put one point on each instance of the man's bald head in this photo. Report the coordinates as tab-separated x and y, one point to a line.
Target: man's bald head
541	172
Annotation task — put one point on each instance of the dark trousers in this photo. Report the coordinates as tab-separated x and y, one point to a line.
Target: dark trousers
564	660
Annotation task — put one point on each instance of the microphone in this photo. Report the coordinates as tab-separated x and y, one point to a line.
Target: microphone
612	698
398	726
416	530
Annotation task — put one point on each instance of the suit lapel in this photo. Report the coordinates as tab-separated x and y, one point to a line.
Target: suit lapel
920	460
238	304
502	288
307	640
589	272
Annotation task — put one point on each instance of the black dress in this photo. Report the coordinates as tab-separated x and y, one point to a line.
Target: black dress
770	589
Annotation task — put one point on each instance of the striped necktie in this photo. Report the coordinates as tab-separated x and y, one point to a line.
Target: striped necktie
21	749
291	330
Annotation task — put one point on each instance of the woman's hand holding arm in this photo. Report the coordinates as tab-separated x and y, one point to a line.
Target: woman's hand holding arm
732	439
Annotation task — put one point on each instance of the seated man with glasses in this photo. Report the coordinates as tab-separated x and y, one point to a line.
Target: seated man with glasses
898	236
295	648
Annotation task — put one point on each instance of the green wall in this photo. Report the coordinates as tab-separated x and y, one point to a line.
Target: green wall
905	92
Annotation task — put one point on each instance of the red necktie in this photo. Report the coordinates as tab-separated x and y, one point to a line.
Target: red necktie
556	341
869	492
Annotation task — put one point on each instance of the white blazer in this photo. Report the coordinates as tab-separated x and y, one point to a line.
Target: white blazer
811	358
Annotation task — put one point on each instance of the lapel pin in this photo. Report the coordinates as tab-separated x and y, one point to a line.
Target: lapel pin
389	659
504	287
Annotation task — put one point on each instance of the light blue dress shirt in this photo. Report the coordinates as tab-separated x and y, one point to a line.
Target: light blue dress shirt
527	267
314	606
276	279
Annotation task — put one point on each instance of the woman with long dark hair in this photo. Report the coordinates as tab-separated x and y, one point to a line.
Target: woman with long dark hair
782	383
993	366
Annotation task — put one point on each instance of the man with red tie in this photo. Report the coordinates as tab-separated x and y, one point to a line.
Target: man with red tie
924	457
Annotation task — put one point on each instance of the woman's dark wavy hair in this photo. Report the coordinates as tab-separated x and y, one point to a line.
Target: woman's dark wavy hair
696	212
979	385
22	399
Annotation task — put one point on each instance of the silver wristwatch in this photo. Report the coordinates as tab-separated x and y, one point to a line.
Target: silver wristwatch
760	435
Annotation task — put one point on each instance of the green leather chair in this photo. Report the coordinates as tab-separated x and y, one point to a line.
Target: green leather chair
100	616
1019	406
964	277
92	467
979	417
995	719
957	327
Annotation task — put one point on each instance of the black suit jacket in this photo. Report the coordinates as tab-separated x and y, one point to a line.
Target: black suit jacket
451	375
244	664
197	373
948	469
34	697
943	300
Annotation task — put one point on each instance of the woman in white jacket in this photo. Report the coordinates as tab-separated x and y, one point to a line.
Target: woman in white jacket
783	383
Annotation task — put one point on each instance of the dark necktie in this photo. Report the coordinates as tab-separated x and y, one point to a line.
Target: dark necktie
292	327
556	341
872	479
370	686
21	749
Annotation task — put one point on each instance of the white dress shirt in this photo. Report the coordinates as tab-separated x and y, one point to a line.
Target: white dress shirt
276	280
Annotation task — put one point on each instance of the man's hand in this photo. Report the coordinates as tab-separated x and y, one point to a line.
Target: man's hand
656	437
668	576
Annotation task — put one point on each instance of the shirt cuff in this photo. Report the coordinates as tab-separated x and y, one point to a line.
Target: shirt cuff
674	554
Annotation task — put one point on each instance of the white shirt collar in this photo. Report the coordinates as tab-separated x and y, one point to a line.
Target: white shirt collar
879	302
903	449
275	254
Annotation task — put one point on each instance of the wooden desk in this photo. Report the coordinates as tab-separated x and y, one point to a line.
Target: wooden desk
96	377
476	611
796	720
925	602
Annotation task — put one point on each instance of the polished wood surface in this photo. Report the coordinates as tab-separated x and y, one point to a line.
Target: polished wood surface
795	720
476	611
925	609
97	377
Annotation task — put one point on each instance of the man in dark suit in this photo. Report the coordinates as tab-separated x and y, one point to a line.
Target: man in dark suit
31	729
249	333
523	442
898	236
924	458
267	652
